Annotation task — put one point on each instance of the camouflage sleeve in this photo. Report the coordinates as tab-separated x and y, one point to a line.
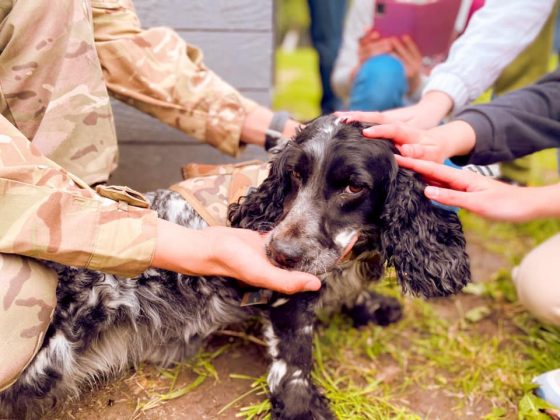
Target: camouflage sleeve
157	72
49	214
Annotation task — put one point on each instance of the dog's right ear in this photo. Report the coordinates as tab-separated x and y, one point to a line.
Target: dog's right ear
262	209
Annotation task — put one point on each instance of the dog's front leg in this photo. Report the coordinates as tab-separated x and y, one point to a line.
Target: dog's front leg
290	340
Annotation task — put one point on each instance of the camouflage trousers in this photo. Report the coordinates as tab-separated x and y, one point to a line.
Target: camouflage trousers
27	299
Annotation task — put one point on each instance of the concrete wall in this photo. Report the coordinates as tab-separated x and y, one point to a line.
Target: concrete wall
237	39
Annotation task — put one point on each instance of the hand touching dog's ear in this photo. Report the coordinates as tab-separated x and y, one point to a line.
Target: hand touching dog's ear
423	242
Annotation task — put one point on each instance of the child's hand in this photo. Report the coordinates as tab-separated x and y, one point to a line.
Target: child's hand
407	51
372	44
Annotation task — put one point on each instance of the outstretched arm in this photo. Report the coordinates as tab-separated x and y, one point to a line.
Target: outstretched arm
495	36
511	126
222	251
484	196
156	71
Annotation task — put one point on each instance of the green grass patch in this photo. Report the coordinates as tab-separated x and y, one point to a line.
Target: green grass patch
298	86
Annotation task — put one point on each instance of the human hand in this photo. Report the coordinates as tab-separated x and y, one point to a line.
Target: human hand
240	253
372	44
456	138
409	54
427	113
481	195
221	251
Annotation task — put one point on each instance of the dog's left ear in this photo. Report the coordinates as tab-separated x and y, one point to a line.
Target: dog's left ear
261	209
424	243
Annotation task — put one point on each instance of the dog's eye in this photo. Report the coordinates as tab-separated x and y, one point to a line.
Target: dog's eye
296	176
353	189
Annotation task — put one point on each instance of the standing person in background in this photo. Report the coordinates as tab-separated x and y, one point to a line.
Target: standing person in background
496	36
327	18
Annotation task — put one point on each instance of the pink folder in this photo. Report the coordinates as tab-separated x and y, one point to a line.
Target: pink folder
430	23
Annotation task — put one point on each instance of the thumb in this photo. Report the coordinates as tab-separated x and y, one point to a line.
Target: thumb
290	282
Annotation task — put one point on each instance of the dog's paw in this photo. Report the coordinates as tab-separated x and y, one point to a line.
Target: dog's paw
305	406
371	307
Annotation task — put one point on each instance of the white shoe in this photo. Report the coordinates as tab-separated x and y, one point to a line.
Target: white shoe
492	171
549	386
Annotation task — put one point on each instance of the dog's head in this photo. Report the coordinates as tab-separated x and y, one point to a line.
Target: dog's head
331	192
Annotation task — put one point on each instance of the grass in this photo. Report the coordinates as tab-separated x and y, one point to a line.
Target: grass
298	87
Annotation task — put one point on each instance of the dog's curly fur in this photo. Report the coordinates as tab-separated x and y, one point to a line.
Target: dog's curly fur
329	190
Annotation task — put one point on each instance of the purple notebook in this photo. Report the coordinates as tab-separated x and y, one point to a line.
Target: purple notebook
429	23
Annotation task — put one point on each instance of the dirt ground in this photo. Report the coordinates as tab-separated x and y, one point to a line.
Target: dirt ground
119	399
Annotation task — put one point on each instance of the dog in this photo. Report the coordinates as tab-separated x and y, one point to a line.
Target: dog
334	204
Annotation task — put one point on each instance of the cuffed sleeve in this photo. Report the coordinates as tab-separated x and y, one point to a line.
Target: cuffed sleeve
49	214
155	71
515	124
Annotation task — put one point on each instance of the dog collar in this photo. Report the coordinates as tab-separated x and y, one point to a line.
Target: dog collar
256	297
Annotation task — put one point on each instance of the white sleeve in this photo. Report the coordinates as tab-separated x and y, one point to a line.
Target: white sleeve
494	37
358	20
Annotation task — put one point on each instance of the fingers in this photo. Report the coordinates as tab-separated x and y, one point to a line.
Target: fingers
456	178
367	117
403	53
416	151
290	282
378	47
399	133
412	48
370	35
449	197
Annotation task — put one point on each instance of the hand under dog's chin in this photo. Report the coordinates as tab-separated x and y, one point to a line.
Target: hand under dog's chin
319	264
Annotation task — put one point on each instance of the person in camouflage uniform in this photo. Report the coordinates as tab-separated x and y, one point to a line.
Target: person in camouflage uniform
58	61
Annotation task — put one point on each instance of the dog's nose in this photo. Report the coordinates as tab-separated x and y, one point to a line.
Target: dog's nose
284	254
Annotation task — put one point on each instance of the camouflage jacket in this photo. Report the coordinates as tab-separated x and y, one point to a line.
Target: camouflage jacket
57	134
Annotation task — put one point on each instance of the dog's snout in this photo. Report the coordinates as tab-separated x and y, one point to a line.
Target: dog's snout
284	254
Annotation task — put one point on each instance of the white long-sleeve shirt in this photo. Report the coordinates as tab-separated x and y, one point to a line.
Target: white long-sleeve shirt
495	36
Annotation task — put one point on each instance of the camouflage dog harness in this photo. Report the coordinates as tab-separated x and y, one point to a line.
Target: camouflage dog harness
209	189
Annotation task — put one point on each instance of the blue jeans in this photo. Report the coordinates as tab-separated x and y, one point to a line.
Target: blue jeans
380	84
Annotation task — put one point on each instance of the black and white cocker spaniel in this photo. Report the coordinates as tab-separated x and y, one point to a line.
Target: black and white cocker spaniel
334	204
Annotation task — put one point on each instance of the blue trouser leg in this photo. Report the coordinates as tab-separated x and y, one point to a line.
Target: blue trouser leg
380	84
327	20
447	162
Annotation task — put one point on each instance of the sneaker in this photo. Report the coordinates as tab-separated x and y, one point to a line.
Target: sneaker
549	387
492	171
